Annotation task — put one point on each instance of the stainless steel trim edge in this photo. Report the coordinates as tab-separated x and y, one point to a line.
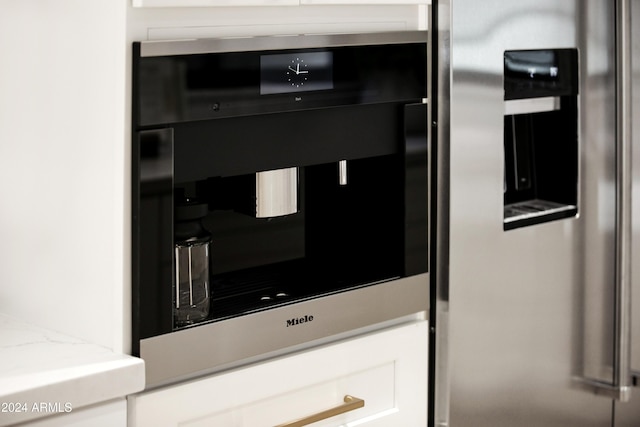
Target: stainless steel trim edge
600	388
529	215
621	386
302	41
242	340
622	355
531	105
442	50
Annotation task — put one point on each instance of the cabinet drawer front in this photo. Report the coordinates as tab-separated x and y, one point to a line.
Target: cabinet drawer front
388	370
375	386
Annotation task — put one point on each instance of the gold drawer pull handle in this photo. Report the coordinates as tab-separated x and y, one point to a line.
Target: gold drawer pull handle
350	403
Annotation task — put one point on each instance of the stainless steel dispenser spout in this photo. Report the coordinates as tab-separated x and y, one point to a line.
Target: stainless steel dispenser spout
342	172
276	193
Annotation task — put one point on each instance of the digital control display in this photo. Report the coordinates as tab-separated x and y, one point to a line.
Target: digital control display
296	72
539	73
532	64
185	88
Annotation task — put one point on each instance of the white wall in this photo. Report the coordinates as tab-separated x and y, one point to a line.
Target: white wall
65	142
62	165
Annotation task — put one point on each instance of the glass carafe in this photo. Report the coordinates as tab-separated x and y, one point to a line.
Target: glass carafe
192	248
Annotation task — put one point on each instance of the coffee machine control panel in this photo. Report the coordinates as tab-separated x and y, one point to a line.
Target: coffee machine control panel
205	86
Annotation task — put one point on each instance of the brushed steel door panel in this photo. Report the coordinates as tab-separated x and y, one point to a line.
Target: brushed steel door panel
531	308
635	132
628	414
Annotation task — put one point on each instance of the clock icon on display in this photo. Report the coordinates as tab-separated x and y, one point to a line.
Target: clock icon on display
297	73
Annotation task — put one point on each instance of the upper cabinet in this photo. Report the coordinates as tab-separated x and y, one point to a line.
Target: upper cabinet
210	3
205	3
303	2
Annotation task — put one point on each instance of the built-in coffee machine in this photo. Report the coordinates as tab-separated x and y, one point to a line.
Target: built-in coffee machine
280	194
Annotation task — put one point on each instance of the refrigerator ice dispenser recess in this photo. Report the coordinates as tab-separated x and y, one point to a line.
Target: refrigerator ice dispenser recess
540	136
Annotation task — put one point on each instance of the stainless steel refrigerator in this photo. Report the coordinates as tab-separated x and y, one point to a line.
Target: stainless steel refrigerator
537	313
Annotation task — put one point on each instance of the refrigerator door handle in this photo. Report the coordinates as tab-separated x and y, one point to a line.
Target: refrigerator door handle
622	375
622	355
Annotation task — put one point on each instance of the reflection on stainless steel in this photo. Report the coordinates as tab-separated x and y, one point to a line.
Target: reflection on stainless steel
342	172
440	115
635	134
622	339
628	414
276	193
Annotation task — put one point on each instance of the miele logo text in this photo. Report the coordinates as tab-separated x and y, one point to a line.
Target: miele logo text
299	320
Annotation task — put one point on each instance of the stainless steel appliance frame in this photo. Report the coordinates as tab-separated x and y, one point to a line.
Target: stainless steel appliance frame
239	341
249	44
439	366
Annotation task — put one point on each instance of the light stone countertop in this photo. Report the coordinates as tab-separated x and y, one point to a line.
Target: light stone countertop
44	372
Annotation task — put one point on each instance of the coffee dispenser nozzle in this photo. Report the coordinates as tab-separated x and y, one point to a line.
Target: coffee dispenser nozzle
276	192
342	172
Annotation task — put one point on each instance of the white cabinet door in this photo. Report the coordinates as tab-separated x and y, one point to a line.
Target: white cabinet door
110	414
205	3
210	3
387	369
365	2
